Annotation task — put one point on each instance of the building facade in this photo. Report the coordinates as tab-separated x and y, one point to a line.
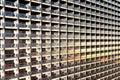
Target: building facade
59	40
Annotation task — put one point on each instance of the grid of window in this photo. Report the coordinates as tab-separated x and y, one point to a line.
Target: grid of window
60	39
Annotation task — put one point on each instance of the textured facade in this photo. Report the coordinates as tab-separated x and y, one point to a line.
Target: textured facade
59	40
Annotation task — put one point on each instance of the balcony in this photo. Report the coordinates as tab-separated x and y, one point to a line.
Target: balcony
34	61
9	64
33	44
46	27
63	73
55	11
63	28
34	70
9	24
63	65
35	26
46	44
22	44
34	53
23	15
45	68
70	14
46	59
54	19
55	36
46	36
9	55
35	8
23	25
54	74
9	34
9	13
46	1
35	17
22	72
23	6
63	5
33	78
22	62
22	54
9	45
71	0
77	1
53	66
55	3
46	9
55	44
46	18
45	77
55	27
71	21
70	7
63	13
10	3
9	75
22	35
34	35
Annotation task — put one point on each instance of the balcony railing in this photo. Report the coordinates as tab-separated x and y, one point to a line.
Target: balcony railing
23	63
54	19
35	26
46	18
34	44
9	35
23	25
23	15
22	45
11	45
9	13
9	55
77	1
35	17
22	54
55	27
9	24
46	36
35	8
9	65
23	5
63	5
64	13
46	10
34	35
46	44
9	75
55	3
46	27
46	1
55	36
22	35
71	0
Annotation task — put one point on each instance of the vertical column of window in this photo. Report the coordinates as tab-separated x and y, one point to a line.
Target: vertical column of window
70	41
46	39
55	58
35	36
77	39
63	39
2	41
24	39
10	39
83	38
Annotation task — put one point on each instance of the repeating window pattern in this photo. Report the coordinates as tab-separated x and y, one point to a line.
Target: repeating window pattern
59	39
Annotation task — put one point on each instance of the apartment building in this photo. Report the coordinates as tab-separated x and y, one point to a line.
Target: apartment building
59	39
